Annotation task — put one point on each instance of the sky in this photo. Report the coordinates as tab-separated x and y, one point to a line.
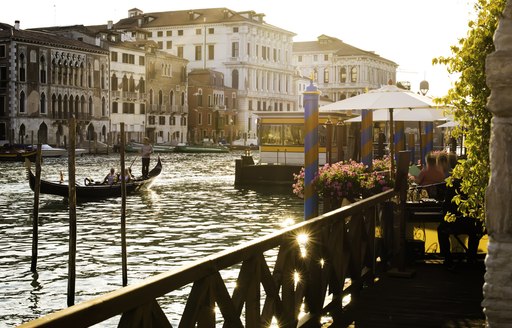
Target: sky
409	32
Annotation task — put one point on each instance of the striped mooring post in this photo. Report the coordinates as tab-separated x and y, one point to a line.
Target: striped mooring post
311	100
367	137
429	137
399	142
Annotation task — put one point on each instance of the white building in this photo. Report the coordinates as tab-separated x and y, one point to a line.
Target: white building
255	57
340	70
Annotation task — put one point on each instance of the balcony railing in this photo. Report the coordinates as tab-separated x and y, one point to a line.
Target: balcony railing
277	275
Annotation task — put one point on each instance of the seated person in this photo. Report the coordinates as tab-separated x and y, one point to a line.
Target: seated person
128	175
111	178
431	174
461	226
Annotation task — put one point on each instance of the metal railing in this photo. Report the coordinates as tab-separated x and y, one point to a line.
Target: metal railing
278	275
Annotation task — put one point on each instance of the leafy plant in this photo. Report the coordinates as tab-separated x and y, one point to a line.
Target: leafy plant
469	97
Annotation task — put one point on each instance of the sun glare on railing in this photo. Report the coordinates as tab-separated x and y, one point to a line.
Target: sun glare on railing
274	323
287	222
296	278
302	239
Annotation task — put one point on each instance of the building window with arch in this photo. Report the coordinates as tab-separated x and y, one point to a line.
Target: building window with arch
23	67
171	98
353	74
89	75
326	75
234	79
43	104
343	75
90	107
22	102
42	69
113	82
103	107
183	99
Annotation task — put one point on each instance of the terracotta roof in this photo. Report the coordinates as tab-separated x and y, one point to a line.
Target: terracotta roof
46	38
330	44
193	17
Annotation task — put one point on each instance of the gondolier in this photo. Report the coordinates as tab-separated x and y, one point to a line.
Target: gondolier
145	151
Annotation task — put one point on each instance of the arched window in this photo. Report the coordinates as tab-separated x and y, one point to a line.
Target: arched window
77	105
43	103
326	75
23	67
183	99
171	98
90	107
89	75
42	69
353	74
90	132
72	107
234	79
113	82
103	107
125	83
22	102
81	72
42	133
21	134
151	97
142	85
59	105
131	84
65	103
54	106
343	75
160	98
102	76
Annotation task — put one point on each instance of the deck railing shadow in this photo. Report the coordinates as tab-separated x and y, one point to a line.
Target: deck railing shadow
309	277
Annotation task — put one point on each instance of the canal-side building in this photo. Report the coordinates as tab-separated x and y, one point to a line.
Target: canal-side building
340	70
254	57
213	108
45	79
147	86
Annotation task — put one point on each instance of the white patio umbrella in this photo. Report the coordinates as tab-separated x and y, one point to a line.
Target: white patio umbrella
449	124
388	97
405	115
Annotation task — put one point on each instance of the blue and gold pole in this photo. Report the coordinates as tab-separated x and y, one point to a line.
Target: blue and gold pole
367	137
399	138
311	99
429	137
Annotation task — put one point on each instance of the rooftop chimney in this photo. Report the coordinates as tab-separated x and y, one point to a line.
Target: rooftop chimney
16	24
109	24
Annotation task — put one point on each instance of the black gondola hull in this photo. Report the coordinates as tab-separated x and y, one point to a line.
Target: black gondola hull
95	191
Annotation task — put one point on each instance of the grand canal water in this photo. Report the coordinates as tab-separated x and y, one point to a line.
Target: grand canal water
192	210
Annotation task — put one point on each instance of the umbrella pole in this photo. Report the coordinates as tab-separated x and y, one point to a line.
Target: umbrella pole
391	142
421	144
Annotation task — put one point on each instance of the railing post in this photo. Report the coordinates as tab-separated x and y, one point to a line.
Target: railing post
401	186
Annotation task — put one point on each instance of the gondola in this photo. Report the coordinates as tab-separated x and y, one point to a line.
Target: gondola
95	190
17	155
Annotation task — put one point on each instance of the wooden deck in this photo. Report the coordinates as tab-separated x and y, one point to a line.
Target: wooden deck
434	297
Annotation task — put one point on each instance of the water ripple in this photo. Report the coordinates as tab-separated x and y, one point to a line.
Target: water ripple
191	211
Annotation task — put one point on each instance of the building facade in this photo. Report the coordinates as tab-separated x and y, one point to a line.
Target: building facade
254	57
213	108
44	80
340	70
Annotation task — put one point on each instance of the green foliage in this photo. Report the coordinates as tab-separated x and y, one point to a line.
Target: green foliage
469	97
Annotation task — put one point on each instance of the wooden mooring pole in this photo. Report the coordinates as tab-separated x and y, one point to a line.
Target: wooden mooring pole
123	209
35	219
72	212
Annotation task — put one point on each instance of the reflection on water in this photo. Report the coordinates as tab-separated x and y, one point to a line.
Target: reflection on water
191	210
